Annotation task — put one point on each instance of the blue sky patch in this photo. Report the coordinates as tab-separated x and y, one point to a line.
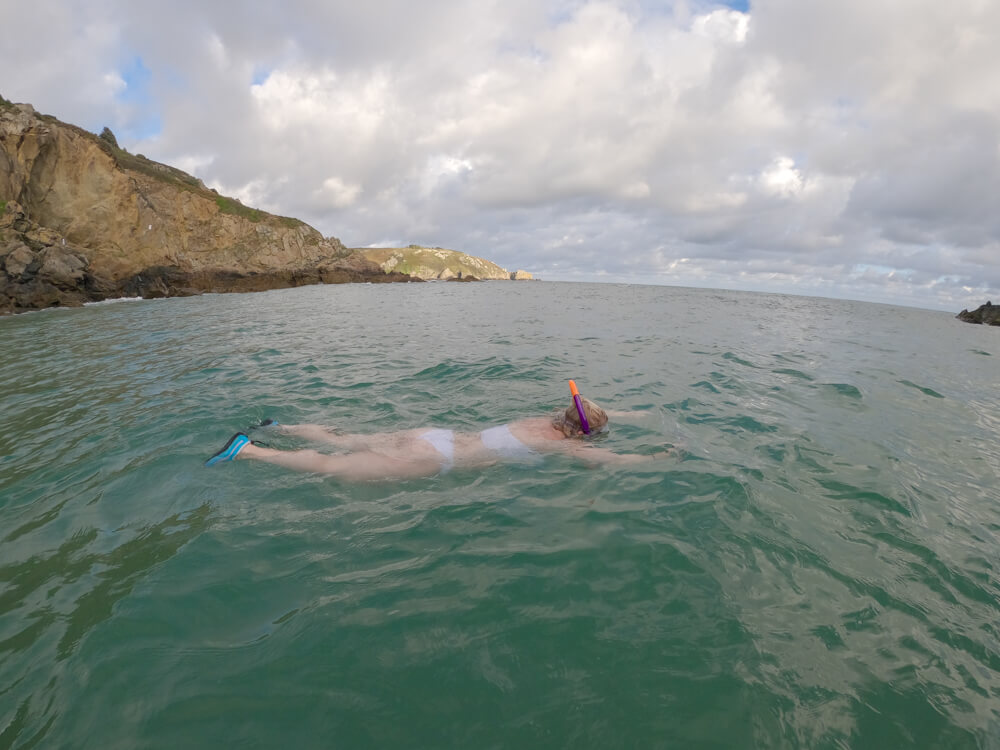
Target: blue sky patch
260	75
142	120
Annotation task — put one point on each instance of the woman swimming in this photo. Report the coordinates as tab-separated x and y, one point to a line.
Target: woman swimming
426	452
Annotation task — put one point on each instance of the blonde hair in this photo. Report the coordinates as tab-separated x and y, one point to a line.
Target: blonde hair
568	421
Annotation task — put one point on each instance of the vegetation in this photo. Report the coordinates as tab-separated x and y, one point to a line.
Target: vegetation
3	206
150	168
231	206
107	135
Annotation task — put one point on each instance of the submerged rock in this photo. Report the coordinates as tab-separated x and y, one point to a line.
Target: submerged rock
988	314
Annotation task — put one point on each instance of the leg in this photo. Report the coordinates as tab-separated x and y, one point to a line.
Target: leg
320	434
355	467
315	432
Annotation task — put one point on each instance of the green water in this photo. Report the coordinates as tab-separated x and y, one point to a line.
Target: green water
818	569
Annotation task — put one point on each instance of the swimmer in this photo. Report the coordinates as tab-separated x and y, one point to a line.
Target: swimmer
426	452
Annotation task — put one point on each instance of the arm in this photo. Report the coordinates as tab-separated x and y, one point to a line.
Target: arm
595	456
625	414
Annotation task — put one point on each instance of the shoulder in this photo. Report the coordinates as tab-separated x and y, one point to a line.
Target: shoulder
538	434
536	426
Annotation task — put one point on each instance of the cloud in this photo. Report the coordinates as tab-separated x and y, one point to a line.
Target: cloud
785	146
335	192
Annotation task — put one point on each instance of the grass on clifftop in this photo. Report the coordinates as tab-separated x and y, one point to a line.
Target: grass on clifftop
142	165
232	206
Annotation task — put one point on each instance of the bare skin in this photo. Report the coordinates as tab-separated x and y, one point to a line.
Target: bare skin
406	455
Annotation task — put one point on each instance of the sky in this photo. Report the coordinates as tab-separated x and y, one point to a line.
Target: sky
843	149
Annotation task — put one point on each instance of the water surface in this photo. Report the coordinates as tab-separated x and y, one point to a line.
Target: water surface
818	568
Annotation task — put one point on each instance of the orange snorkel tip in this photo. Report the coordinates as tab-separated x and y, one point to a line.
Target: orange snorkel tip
579	407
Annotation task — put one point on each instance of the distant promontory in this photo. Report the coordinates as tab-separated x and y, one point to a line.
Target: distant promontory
82	219
429	263
988	314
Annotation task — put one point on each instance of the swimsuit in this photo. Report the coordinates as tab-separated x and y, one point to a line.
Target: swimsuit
501	441
443	441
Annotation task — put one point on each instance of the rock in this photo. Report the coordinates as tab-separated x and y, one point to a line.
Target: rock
36	294
12	213
38	272
16	262
62	267
520	275
988	314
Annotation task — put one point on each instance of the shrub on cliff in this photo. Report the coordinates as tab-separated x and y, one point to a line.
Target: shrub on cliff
107	135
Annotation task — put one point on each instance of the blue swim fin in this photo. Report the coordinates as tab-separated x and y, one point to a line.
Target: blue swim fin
229	451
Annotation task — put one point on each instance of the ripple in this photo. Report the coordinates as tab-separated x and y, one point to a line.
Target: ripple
926	391
817	566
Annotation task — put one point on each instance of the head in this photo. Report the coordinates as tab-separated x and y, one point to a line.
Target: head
568	421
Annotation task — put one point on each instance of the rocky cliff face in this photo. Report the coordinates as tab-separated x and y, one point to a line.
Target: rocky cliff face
81	219
988	314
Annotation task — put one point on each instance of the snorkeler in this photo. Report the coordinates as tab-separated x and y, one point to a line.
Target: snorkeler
427	452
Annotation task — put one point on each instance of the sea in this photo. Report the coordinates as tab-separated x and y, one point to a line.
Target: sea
815	563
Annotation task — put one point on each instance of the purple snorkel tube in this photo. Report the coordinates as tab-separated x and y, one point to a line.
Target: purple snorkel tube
579	408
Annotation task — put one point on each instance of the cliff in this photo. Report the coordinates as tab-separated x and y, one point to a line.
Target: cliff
81	219
437	263
988	314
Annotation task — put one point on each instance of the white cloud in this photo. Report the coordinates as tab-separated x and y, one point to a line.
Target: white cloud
114	83
191	163
701	203
338	193
782	179
217	51
722	26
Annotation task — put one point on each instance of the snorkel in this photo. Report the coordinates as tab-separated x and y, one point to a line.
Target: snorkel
579	408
